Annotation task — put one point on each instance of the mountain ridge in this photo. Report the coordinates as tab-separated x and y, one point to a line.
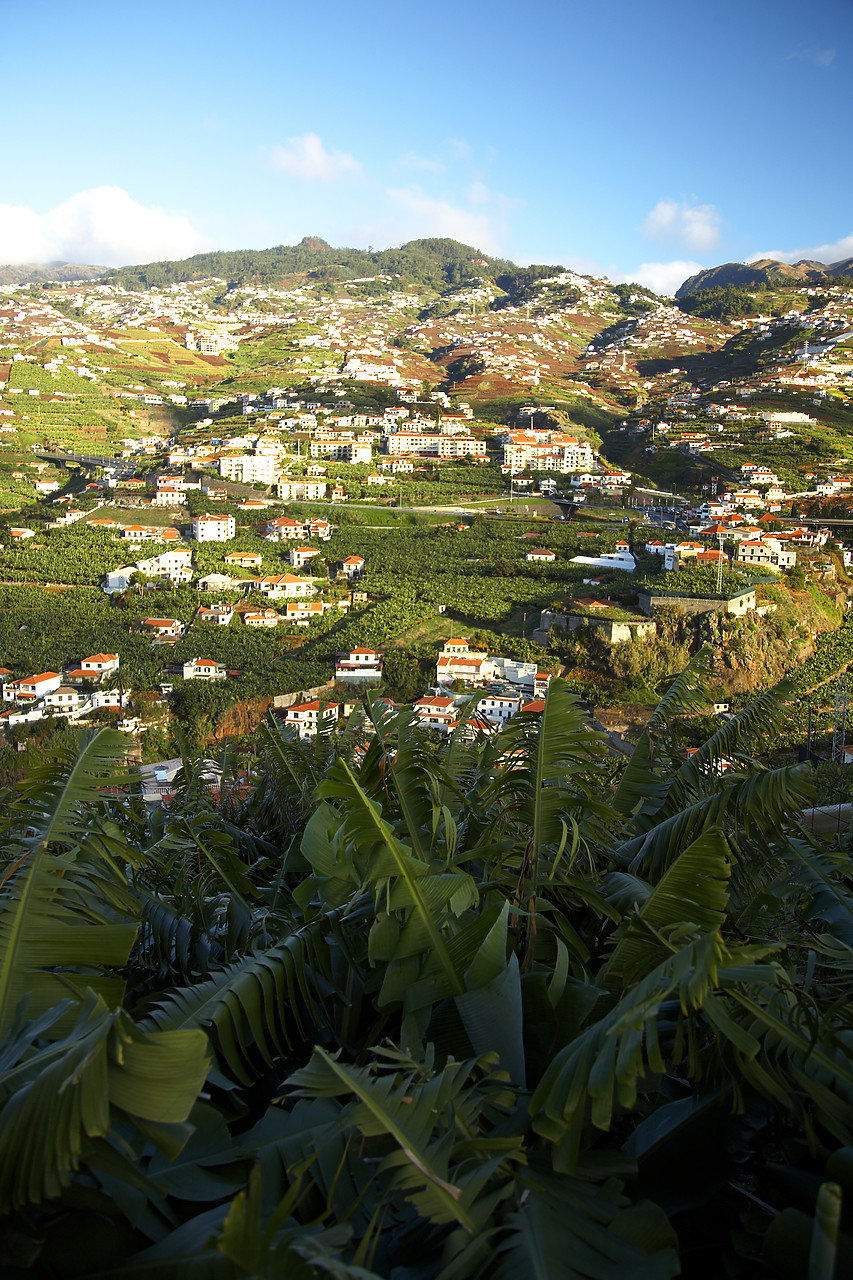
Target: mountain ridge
46	272
764	271
436	261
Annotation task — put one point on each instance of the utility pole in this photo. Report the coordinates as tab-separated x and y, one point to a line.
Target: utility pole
720	566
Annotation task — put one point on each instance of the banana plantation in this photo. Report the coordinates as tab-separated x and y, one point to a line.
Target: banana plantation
392	1008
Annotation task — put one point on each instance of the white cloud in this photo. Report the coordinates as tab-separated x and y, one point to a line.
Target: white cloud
478	193
827	253
459	148
305	157
417	214
104	226
814	54
661	277
411	160
695	225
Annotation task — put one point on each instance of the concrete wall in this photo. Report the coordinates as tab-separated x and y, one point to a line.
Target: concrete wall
304	695
615	632
650	603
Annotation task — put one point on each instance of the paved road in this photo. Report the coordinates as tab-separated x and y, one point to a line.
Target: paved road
88	460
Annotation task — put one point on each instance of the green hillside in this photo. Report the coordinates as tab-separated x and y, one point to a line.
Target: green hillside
437	263
44	272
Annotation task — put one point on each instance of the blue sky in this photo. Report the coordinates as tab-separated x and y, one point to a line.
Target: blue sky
640	141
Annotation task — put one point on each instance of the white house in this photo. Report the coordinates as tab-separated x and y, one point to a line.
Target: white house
249	468
261	618
279	586
309	718
216	615
32	687
117	579
245	559
176	564
361	665
208	528
100	664
164	628
300	556
498	707
301	489
64	700
149	533
319	527
204	669
436	712
303	611
168	495
215	582
766	553
352	567
283	528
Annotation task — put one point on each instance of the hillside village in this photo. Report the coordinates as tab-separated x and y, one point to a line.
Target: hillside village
281	493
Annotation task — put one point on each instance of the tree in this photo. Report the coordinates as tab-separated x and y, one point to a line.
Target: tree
458	1009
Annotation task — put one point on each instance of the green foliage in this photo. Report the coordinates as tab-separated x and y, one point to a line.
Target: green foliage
722	302
435	263
698	580
393	1008
635	299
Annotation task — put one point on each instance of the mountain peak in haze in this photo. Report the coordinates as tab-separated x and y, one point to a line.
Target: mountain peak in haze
769	271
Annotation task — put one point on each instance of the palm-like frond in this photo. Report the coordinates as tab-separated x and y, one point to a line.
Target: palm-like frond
747	806
56	798
824	877
644	785
67	918
570	1230
260	1006
544	765
406	768
690	898
419	1114
55	1101
759	717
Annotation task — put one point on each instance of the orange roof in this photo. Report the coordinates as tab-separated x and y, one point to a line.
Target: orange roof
279	578
102	657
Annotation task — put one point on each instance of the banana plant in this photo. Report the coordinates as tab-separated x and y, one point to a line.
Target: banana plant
420	1010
